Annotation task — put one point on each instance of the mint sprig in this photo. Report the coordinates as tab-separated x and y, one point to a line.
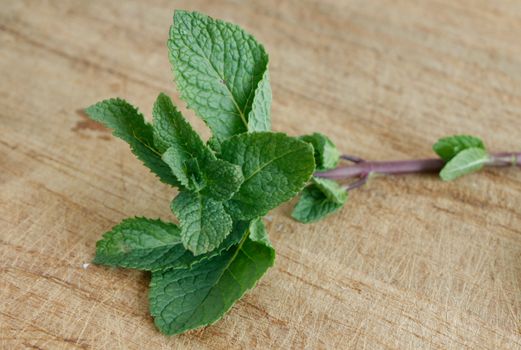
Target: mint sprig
220	248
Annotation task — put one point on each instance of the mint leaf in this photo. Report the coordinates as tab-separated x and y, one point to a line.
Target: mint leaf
190	160
129	125
318	200
465	162
275	168
215	178
204	222
171	129
221	179
331	189
178	142
148	244
259	118
140	243
214	144
186	170
327	155
220	73
185	299
258	232
448	147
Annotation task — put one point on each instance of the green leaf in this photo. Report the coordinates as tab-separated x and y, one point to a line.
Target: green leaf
275	168
448	147
178	142
220	72
148	244
204	222
186	170
171	129
258	232
190	160
465	162
215	178
327	155
214	144
140	243
221	179
259	118
318	200
129	125
185	299
331	189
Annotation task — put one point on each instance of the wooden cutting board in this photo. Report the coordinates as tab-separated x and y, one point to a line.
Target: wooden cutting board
409	263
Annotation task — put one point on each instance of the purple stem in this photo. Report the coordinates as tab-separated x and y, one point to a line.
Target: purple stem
410	166
353	159
355	184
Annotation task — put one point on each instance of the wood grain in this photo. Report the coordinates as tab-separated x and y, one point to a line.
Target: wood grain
409	263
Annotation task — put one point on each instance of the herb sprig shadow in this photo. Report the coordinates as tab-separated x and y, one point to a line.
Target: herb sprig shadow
226	185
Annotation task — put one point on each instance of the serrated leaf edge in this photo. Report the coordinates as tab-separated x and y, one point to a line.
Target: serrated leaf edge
221	314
